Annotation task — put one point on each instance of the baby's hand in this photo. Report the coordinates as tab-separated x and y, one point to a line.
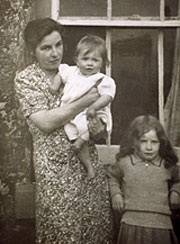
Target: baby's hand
118	203
174	200
97	128
91	113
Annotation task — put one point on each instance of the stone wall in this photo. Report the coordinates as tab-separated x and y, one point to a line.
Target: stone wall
15	140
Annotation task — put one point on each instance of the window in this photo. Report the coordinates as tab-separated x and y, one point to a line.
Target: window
140	37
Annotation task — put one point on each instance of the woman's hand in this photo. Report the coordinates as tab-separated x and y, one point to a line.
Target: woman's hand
118	203
97	128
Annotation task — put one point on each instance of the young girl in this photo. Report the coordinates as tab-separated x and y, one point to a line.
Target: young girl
90	56
144	184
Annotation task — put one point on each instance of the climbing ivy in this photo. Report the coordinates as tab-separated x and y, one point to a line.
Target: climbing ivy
15	140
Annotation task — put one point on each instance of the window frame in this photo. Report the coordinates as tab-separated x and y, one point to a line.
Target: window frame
109	22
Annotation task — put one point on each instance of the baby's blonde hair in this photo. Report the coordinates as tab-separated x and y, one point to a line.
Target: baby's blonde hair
90	43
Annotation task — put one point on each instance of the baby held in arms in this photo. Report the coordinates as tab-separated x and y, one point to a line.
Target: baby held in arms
90	56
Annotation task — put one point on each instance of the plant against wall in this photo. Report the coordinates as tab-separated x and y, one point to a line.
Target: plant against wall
15	141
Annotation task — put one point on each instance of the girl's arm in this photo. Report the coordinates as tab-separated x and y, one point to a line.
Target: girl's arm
49	120
174	194
115	174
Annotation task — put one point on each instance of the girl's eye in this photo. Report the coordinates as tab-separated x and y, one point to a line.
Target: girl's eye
155	141
59	44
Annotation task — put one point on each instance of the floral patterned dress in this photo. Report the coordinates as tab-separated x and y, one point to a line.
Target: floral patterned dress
69	208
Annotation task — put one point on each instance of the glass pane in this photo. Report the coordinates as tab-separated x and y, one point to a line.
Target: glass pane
134	68
71	37
135	7
83	7
171	8
169	46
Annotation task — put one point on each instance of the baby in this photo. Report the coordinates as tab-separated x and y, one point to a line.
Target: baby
90	56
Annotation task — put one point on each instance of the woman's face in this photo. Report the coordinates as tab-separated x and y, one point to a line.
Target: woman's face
49	52
147	147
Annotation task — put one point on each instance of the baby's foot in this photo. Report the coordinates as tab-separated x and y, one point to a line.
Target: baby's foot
75	149
78	144
53	91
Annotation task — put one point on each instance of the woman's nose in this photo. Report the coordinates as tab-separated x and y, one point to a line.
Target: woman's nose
54	52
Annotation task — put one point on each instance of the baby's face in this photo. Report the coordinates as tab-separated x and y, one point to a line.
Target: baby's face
89	63
147	147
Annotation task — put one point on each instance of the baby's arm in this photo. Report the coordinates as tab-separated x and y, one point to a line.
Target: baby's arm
55	84
102	102
107	90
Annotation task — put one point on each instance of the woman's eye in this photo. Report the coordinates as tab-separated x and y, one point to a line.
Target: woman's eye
45	48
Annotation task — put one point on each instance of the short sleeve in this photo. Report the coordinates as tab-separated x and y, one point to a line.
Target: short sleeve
107	87
30	92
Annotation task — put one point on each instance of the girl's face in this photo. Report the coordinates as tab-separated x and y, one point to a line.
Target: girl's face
147	147
89	63
49	52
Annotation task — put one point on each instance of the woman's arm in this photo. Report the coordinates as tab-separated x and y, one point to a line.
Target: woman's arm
48	120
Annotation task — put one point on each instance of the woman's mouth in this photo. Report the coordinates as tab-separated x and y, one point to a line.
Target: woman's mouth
55	61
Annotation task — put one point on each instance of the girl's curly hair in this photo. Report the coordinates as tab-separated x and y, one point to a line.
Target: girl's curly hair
138	127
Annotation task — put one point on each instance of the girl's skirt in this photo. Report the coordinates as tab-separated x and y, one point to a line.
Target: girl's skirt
131	234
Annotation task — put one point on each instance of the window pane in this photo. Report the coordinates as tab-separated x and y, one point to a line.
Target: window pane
71	37
169	46
171	8
83	8
134	68
135	7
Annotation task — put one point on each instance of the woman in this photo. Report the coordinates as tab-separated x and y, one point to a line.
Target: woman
69	208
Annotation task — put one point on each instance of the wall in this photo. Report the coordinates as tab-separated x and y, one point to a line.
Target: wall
15	140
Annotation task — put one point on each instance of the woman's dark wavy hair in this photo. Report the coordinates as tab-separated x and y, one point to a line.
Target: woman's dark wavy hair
138	127
37	29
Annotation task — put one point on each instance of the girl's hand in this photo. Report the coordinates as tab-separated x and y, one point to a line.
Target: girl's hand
97	128
174	200
118	203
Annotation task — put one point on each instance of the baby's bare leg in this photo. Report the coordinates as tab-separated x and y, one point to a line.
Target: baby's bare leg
82	149
78	144
85	159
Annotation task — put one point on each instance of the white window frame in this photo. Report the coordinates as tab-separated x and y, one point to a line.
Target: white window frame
158	23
